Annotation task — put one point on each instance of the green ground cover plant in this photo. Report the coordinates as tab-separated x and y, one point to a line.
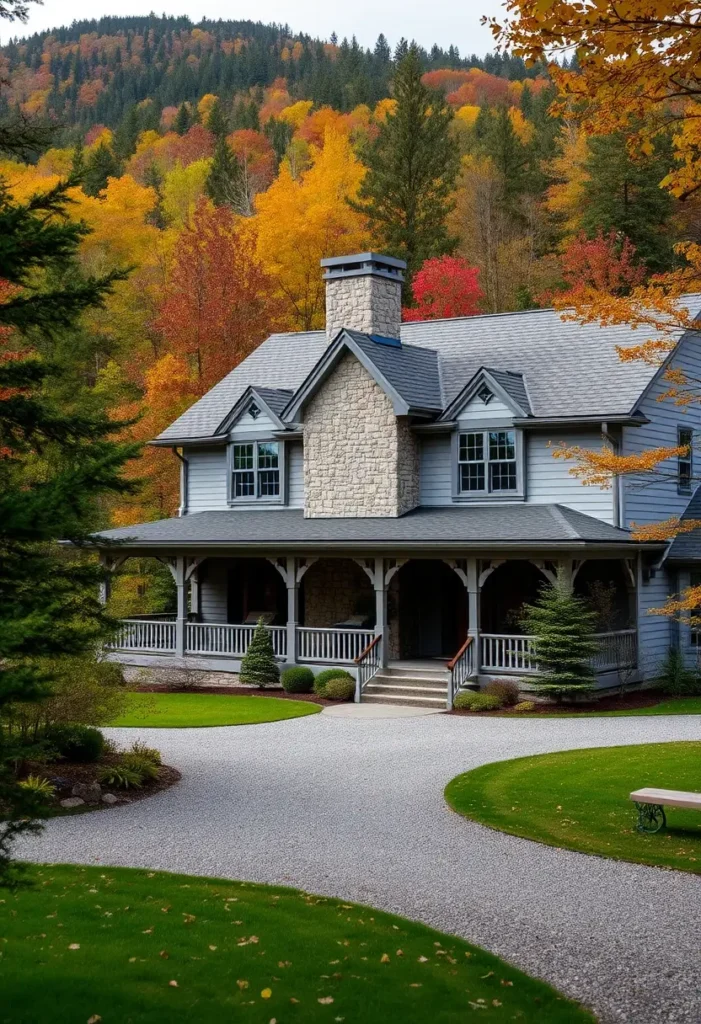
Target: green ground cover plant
116	944
579	799
182	710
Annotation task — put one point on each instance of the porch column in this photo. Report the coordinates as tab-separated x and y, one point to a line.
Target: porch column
180	576
292	584
473	608
381	626
106	584
195	593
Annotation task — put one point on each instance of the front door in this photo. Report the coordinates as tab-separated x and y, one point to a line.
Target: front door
432	610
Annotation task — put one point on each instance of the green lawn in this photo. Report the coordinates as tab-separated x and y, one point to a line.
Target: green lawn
579	799
106	944
672	706
180	710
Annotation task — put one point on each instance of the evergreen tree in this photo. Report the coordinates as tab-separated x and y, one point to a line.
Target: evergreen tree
563	626
57	463
412	167
623	194
182	120
78	161
258	665
216	122
100	165
224	184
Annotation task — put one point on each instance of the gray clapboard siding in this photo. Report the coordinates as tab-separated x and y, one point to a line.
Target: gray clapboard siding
648	499
477	411
207	483
654	631
548	479
246	428
214	591
295	474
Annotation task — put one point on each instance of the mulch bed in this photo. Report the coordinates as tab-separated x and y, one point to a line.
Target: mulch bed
237	691
629	702
74	773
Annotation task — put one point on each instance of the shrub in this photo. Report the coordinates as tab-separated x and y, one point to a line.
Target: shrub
38	786
76	742
340	688
676	679
120	776
258	666
524	705
323	678
297	680
150	753
471	701
143	766
506	689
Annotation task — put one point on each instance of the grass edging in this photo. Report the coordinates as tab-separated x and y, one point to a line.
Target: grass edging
152	710
579	800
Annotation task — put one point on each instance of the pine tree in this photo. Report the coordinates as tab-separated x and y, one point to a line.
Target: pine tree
100	165
216	122
258	666
57	463
563	626
412	167
182	120
224	182
78	161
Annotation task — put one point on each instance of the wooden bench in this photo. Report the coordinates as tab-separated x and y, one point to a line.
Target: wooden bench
652	802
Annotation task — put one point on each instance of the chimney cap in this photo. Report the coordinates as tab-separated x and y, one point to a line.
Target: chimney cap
363	264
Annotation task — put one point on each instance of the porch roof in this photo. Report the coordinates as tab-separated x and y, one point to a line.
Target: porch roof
686	547
485	526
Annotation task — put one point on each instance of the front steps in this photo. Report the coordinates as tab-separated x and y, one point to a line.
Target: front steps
423	685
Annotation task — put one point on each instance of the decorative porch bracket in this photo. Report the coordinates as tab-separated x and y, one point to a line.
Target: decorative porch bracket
380	572
110	565
292	571
468	570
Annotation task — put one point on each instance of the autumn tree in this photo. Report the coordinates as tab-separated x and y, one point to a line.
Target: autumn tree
412	166
606	263
444	286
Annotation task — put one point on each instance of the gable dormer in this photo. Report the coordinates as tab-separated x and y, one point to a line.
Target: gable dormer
256	453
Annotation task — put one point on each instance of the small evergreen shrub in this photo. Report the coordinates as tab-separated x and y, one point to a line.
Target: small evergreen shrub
119	776
524	705
258	666
299	679
469	700
506	689
38	786
143	766
675	678
340	688
80	743
323	678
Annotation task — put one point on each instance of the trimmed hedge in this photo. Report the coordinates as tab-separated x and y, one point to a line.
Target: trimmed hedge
470	701
323	678
298	679
79	743
340	688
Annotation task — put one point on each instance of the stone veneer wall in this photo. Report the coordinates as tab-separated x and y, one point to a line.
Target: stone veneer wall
335	588
368	303
360	460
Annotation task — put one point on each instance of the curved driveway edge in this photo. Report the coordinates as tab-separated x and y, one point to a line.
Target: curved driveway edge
354	808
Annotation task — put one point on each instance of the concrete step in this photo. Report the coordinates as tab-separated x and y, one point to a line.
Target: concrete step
404	699
405	682
428	674
433	692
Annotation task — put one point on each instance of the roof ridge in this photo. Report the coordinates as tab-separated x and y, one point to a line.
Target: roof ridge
558	513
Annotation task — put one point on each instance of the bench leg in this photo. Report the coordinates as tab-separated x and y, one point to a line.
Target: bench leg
651	818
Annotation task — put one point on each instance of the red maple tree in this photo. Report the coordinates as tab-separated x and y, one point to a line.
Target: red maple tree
445	286
605	262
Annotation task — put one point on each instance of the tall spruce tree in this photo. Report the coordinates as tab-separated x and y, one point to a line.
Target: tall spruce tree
563	626
217	123
56	462
412	167
224	183
100	165
182	120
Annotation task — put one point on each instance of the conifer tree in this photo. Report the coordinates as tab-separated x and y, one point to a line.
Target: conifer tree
78	161
412	167
182	120
258	666
224	181
563	626
56	463
216	122
100	165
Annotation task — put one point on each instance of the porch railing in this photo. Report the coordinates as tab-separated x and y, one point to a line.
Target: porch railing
331	645
232	640
156	636
369	663
461	668
503	653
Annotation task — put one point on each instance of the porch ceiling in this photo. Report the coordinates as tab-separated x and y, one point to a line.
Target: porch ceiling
487	527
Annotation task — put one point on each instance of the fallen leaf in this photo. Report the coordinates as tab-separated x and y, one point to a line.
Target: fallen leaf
147	931
266	993
242	984
164	954
188	918
495	1002
173	984
422	959
325	1000
489	974
95	1019
293	1000
212	948
132	959
74	945
384	959
400	952
415	984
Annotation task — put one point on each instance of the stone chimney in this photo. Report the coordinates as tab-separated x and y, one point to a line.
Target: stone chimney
364	293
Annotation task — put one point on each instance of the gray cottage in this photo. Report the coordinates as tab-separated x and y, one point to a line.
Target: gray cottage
385	496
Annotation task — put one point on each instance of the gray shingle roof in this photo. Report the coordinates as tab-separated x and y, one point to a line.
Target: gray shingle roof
412	371
500	525
686	547
570	369
275	398
514	385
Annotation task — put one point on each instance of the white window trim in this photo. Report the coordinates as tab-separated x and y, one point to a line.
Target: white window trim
253	500
682	459
486	495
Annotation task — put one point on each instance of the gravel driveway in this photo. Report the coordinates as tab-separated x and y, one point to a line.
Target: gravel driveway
354	808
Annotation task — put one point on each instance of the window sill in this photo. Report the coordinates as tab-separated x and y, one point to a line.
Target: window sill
487	499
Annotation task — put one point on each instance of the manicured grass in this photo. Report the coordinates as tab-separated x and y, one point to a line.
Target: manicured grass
579	799
107	944
675	706
180	710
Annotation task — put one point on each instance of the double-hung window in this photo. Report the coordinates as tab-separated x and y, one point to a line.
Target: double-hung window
487	462
255	470
685	439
